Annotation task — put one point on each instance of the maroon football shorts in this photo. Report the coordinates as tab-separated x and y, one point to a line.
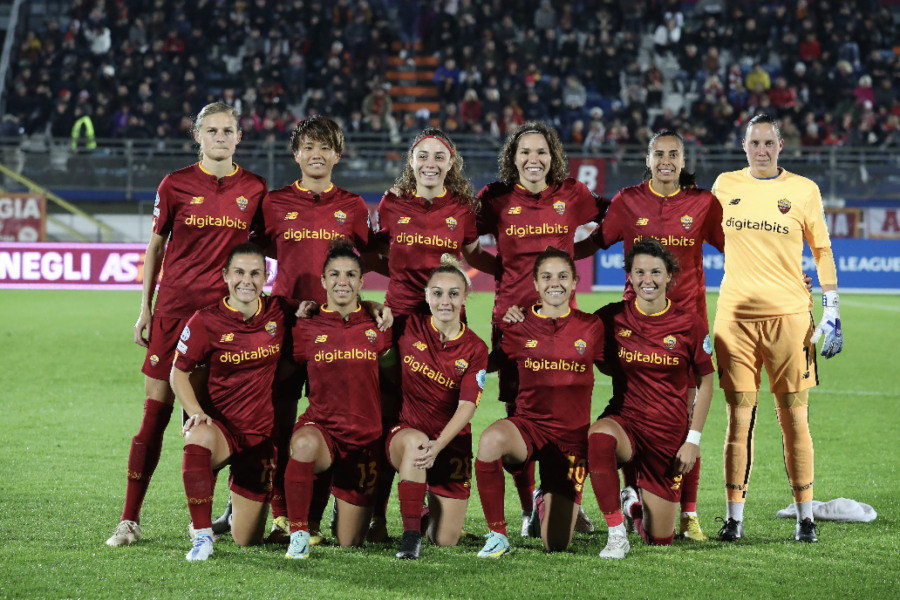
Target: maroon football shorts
451	474
252	464
563	469
355	468
652	460
164	333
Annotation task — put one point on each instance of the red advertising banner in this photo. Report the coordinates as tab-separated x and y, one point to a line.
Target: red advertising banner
121	267
843	222
883	223
22	218
591	172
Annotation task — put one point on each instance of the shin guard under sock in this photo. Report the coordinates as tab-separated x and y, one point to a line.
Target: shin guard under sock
199	483
491	489
143	458
605	477
298	484
412	499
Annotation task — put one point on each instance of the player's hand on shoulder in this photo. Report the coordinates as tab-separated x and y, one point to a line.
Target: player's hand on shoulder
685	458
514	315
306	309
381	313
144	322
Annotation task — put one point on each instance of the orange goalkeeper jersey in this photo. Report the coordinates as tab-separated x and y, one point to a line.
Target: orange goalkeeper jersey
765	223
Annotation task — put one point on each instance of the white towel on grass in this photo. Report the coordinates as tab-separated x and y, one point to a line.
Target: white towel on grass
841	509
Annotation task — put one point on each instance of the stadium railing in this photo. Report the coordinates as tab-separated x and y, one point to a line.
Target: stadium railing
125	170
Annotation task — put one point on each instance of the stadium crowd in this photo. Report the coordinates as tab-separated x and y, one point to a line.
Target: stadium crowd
602	73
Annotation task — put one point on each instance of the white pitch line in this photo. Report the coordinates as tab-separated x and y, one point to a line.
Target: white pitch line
875	306
853	392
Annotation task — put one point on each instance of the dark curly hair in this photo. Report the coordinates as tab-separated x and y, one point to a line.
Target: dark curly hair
687	181
550	253
318	128
455	181
342	248
559	163
653	247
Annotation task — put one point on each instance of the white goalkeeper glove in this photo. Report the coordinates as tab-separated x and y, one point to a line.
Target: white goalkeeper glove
830	326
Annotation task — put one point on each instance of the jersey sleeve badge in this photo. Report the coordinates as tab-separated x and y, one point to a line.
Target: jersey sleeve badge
687	222
185	334
242	203
461	366
271	327
707	345
480	378
669	341
580	346
560	207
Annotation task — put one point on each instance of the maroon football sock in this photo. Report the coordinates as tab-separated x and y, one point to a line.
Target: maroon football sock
662	541
605	477
491	489
146	447
298	485
199	483
524	483
629	474
689	484
412	498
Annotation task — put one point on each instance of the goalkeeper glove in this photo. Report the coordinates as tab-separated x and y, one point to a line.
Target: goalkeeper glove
830	326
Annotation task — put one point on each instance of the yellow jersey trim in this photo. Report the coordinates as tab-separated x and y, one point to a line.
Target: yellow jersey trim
229	307
303	189
662	312
234	164
537	314
461	331
519	185
358	308
444	193
650	185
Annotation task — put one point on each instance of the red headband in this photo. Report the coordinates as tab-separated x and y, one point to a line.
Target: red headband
434	137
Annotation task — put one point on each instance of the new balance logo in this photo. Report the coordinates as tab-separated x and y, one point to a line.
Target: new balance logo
290	216
419	346
227	337
642	221
321	339
624	333
531	344
404	220
197	200
734	202
515	210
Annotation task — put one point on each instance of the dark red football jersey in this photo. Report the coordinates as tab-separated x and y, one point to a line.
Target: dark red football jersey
204	218
436	376
654	359
342	361
242	356
555	358
302	229
682	222
524	224
418	235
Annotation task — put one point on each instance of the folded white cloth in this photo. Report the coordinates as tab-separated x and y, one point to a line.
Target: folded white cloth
840	509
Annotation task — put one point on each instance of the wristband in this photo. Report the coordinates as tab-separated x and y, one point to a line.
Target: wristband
830	299
693	437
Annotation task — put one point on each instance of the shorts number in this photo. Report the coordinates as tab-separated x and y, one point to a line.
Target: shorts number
462	469
372	474
577	470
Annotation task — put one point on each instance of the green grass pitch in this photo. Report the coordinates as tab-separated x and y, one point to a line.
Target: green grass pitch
71	398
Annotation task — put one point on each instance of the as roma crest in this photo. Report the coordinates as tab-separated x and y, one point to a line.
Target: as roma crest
371	335
242	203
560	207
669	341
271	326
580	346
461	366
687	222
451	223
340	216
784	205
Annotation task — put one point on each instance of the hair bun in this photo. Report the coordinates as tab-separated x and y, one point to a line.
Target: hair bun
448	260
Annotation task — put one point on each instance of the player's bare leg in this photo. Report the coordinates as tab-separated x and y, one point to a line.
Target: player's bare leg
248	522
558	522
608	447
446	519
309	456
205	451
657	527
501	443
352	523
406	447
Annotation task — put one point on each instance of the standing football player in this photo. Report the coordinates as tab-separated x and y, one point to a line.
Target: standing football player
764	316
201	212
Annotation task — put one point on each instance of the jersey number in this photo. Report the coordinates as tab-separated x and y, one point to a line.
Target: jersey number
577	470
372	474
462	469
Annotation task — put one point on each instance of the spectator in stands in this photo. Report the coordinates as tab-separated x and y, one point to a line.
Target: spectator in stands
666	37
781	95
378	106
470	108
595	137
446	78
758	76
545	16
864	92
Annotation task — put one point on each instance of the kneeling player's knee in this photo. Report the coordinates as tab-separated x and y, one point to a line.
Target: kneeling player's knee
490	445
303	447
792	399
413	440
742	399
201	435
